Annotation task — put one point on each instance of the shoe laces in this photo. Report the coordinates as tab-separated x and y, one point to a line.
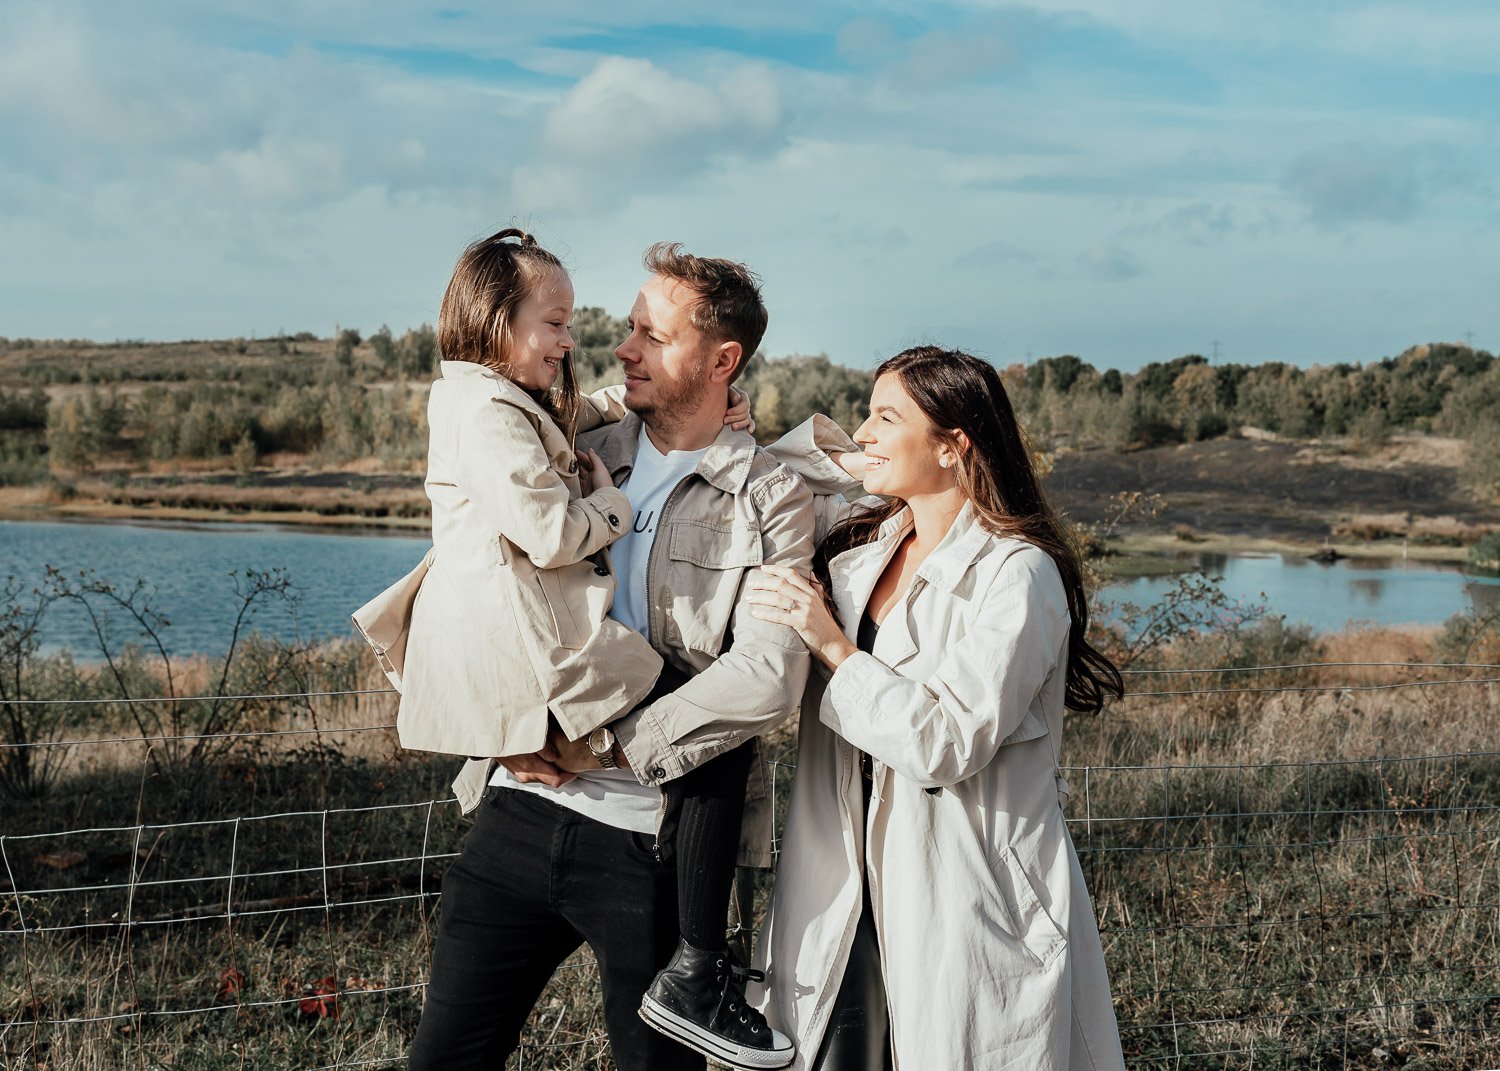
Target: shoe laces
734	977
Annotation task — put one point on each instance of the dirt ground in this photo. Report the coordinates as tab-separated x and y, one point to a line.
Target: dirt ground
1275	490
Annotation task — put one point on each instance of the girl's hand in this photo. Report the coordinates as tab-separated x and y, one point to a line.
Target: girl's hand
737	416
785	597
592	473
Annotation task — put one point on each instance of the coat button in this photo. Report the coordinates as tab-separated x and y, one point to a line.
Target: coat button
614	521
572	468
599	570
657	773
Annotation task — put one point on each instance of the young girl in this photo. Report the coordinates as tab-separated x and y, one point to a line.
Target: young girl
503	630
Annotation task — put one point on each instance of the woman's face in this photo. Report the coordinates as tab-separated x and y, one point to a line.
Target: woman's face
539	332
902	457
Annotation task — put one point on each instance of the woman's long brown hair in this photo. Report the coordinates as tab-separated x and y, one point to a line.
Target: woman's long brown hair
960	393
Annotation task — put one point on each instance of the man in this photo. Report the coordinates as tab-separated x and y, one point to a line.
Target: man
555	859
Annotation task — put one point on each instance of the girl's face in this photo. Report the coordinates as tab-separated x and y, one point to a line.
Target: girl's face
902	457
539	336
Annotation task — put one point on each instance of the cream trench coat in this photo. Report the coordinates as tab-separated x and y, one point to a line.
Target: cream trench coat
991	954
506	618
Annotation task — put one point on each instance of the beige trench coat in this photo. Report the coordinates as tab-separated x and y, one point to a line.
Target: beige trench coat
991	954
506	618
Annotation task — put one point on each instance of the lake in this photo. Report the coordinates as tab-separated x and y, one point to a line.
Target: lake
1330	597
190	571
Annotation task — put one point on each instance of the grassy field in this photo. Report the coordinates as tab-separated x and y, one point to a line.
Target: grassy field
1283	880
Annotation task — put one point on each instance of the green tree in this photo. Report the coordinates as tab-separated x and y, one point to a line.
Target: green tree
68	444
385	349
417	352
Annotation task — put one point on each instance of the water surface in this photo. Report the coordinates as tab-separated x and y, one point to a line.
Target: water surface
189	569
1330	597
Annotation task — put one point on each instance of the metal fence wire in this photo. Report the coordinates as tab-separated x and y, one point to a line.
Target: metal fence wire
1330	914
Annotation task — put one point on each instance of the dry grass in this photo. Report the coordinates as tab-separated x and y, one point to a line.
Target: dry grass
1441	531
1245	895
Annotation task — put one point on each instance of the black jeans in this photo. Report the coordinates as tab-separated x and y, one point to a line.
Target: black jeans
533	882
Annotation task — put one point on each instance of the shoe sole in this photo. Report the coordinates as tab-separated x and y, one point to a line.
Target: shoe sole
711	1045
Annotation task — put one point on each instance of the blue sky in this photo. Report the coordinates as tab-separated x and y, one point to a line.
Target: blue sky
1126	181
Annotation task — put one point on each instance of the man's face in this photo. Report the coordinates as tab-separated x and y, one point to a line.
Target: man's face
666	358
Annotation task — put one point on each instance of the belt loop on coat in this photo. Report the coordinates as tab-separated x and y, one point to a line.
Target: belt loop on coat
1064	791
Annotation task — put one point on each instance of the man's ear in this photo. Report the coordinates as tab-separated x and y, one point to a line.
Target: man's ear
726	360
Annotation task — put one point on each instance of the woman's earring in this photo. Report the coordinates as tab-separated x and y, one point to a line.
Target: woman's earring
943	461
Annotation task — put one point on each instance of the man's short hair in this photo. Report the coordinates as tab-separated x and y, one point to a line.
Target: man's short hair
729	307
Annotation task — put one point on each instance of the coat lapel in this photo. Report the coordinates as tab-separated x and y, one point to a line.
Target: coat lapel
855	572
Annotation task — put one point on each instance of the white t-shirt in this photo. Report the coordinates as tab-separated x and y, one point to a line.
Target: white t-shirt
615	797
652	481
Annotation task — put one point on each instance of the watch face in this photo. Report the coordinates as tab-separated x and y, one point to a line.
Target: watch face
600	741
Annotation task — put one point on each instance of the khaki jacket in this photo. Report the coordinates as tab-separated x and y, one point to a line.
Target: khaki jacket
505	619
990	950
738	510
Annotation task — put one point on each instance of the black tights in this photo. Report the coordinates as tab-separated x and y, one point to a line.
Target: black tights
708	803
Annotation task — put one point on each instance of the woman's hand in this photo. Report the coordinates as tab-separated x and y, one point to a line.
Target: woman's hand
852	462
592	473
737	416
785	597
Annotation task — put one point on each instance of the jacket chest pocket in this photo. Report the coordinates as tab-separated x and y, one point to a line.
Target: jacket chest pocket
708	564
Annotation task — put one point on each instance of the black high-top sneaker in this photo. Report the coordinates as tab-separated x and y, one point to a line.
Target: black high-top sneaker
699	1000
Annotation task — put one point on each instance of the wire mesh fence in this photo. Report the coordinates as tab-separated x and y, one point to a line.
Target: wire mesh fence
1331	913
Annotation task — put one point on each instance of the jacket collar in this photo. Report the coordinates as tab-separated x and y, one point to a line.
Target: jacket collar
855	573
726	465
493	381
946	565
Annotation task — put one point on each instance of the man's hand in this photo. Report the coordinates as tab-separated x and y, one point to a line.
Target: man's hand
572	756
540	767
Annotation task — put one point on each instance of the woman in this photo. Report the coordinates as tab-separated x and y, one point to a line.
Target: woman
929	910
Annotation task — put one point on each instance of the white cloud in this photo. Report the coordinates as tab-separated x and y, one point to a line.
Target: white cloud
631	108
1072	176
630	123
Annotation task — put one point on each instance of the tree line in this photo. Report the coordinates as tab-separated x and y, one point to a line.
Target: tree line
1441	388
353	396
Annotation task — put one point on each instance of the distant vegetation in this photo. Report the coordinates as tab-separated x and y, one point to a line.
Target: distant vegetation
72	406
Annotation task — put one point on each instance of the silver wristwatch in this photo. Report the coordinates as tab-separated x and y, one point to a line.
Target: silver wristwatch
602	743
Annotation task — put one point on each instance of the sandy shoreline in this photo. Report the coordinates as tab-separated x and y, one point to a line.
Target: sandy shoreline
110	513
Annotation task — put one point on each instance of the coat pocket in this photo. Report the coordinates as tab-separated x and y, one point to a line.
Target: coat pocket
709	563
716	547
565	626
1033	925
